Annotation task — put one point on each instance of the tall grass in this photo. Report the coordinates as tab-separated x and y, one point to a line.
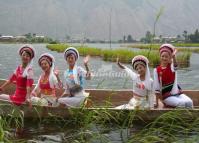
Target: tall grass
157	47
13	119
96	123
186	44
93	125
169	127
124	55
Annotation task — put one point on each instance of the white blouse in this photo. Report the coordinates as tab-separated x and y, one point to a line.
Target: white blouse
139	86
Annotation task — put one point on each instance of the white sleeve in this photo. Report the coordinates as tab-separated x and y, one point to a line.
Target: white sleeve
55	82
130	73
151	96
30	73
151	80
173	68
156	83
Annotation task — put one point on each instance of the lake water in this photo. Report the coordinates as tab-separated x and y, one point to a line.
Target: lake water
107	74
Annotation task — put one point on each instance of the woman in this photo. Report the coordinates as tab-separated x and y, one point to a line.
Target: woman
74	79
44	92
22	77
142	89
165	80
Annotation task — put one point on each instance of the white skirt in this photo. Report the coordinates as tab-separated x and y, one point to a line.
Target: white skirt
75	101
134	103
45	100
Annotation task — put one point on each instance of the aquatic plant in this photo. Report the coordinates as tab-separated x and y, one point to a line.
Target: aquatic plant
14	119
157	46
169	127
124	55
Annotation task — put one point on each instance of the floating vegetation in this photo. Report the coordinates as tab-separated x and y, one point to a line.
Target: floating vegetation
157	47
124	55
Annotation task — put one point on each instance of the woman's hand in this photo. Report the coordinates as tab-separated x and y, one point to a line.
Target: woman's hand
4	85
86	59
119	64
174	53
88	74
56	72
174	58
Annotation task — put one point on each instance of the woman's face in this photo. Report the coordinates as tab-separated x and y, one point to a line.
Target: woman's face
141	69
71	60
45	66
165	58
25	57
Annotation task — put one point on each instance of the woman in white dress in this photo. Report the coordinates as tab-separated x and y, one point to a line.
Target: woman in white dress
142	84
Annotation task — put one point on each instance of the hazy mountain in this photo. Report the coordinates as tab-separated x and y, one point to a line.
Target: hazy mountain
58	18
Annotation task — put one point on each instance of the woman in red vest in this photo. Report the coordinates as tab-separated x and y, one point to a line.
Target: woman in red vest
22	77
165	80
44	93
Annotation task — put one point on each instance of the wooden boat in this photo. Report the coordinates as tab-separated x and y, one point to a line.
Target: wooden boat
101	100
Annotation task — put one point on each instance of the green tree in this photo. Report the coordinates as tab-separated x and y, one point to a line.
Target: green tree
185	35
129	39
28	36
148	37
124	38
194	38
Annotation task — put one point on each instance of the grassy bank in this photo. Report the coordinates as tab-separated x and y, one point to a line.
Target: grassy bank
124	54
178	45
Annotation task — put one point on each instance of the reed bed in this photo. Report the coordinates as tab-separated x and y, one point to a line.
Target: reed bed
178	46
124	55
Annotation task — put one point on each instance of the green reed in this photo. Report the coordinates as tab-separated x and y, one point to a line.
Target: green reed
14	118
124	55
92	124
169	127
157	47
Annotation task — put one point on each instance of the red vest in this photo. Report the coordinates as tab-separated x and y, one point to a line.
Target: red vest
166	77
